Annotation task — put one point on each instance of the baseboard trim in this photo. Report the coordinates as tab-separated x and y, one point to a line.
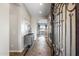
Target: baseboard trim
14	53
19	53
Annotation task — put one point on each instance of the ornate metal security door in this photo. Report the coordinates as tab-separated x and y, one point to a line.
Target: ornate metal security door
56	34
61	34
71	20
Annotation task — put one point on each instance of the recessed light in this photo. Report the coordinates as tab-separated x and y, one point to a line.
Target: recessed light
40	12
41	3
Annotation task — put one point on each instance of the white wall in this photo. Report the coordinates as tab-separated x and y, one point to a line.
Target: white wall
4	29
18	16
34	26
24	18
14	13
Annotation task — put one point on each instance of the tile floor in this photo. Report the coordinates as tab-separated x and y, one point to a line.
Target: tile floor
40	48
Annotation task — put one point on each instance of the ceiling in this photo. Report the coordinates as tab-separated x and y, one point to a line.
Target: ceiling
38	9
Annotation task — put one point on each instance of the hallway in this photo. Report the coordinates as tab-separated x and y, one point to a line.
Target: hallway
43	29
40	48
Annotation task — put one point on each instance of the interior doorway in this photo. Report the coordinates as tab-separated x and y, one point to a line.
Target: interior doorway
42	28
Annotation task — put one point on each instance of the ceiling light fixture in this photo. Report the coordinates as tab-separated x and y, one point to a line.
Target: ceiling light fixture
41	3
40	12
